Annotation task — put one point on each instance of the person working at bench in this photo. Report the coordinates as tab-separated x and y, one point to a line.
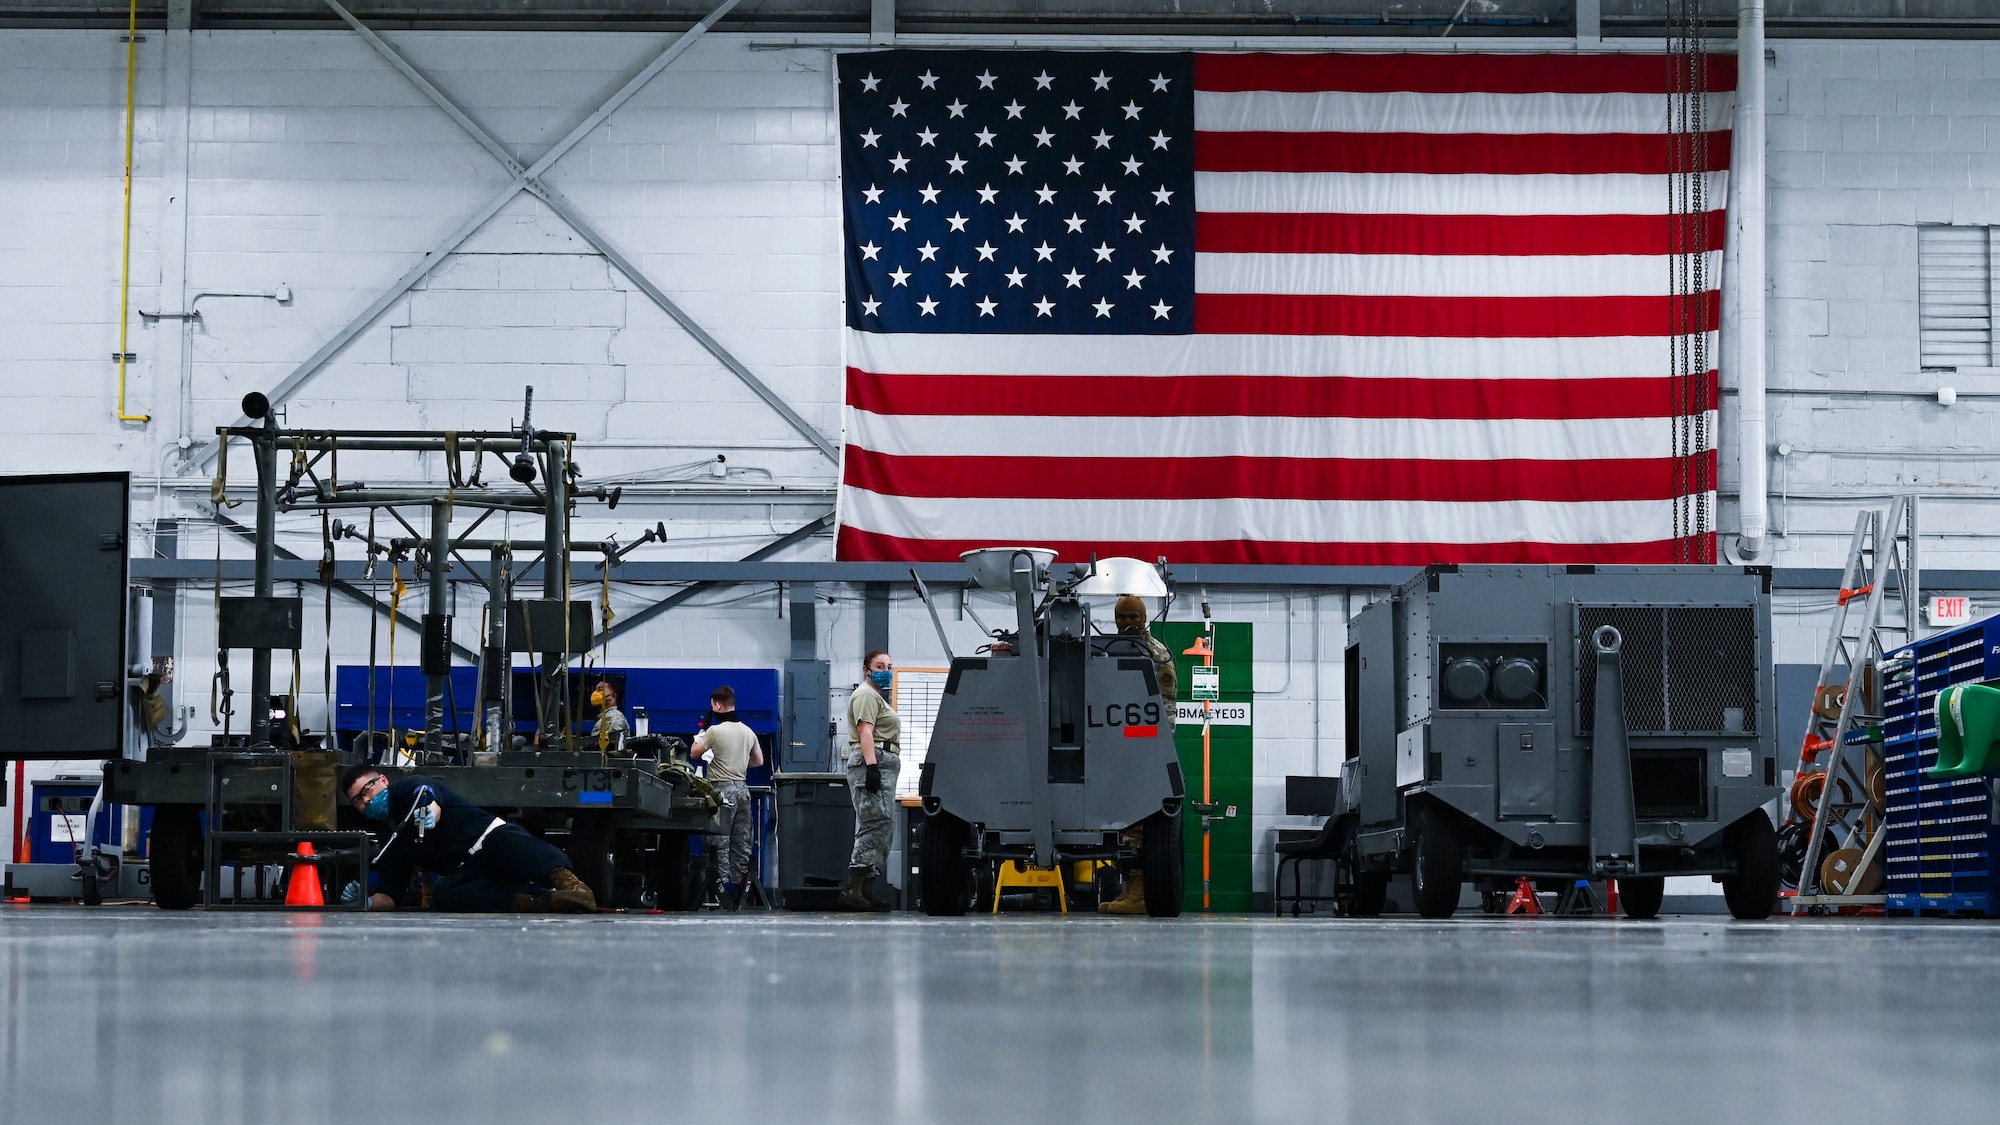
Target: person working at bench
731	750
481	863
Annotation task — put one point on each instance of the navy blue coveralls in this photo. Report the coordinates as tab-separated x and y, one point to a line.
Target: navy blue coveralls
479	865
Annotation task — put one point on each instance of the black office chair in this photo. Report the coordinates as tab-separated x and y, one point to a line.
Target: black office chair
1308	796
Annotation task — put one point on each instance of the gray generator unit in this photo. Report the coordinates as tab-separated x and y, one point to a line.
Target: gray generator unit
1047	750
1562	723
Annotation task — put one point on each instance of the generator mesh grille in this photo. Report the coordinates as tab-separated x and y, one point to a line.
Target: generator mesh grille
1688	669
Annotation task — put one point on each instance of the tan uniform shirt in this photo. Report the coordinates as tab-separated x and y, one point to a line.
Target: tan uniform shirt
729	746
866	705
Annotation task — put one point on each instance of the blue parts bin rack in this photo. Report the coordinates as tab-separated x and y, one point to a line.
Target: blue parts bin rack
1943	844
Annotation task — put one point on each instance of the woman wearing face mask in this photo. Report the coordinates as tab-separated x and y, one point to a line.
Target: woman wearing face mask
611	724
874	757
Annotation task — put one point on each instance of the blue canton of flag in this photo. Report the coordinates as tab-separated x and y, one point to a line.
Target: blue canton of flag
993	191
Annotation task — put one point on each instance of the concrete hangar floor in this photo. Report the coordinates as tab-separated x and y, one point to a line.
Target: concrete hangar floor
136	1015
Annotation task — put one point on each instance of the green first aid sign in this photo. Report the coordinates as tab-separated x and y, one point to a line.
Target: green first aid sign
1207	682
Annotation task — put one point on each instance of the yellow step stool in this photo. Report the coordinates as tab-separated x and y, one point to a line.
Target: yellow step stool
1017	874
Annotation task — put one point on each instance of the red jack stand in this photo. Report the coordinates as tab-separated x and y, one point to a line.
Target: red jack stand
1524	900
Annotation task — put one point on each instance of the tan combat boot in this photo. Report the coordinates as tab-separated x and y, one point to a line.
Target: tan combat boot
856	894
568	894
1131	901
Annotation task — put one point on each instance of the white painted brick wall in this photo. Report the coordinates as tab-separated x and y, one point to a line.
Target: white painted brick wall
312	164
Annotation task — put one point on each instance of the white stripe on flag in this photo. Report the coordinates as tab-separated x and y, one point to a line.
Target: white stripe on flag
1369	193
1277	521
1443	439
1403	112
1396	275
1401	357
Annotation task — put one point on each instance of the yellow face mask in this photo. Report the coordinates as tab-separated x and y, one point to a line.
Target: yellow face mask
597	699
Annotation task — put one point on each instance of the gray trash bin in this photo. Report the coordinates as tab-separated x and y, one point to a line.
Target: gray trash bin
815	838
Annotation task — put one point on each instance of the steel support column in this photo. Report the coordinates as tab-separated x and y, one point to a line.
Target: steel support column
875	617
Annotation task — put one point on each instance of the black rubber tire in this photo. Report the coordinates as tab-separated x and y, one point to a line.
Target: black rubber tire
1437	862
1752	893
1639	896
944	875
174	856
592	854
1371	894
1161	858
1791	847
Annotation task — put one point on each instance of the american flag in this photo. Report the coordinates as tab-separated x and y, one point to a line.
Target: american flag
1329	309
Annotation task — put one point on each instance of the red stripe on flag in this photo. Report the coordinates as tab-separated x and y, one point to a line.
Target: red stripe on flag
856	545
1578	154
1223	232
1466	317
1469	73
1274	396
1278	478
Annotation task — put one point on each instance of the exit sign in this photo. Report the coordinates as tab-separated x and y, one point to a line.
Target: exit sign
1950	611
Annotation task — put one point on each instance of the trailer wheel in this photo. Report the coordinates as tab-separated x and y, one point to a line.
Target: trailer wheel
1639	896
1438	865
1164	861
591	854
1752	892
173	849
944	876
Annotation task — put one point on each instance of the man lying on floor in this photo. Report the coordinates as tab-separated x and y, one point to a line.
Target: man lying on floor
481	863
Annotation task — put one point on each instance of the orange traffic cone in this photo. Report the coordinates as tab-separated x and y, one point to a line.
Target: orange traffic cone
1524	900
302	888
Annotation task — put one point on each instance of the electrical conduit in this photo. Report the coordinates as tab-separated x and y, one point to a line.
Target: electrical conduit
125	252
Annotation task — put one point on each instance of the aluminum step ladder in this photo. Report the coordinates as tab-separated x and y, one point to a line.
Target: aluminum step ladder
1840	762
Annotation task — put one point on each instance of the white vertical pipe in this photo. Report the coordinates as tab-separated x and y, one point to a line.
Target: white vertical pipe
1746	183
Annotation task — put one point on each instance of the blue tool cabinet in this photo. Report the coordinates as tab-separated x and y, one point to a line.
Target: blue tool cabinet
1942	842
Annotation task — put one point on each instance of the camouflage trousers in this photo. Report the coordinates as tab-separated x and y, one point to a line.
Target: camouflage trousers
874	813
738	826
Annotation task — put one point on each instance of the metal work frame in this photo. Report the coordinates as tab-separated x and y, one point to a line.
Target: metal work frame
528	178
305	487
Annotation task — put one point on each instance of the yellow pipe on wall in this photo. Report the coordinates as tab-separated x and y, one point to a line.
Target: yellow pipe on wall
125	254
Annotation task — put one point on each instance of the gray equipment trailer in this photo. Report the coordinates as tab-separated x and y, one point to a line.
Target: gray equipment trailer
1561	723
1049	753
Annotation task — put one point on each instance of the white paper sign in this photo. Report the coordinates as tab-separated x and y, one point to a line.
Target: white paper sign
66	828
1219	714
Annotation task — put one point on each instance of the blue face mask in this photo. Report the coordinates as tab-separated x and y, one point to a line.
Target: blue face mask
881	678
377	807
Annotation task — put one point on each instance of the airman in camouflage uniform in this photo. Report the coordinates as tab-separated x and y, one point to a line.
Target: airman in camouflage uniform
874	758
